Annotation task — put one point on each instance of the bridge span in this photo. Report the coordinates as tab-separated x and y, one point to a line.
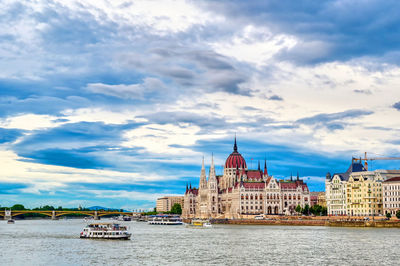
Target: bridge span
8	214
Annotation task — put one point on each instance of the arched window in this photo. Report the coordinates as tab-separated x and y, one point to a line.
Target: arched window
298	197
242	197
251	197
247	197
267	196
290	197
256	197
260	196
285	197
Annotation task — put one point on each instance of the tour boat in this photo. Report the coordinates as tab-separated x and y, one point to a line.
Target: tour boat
11	221
199	224
105	231
165	220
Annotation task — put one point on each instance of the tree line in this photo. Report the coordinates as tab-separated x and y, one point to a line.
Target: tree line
316	210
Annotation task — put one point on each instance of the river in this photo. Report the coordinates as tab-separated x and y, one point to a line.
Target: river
46	242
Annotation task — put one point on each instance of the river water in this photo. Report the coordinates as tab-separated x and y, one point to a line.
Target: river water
46	242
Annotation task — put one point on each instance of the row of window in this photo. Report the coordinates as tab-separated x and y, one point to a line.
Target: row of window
392	205
392	193
393	187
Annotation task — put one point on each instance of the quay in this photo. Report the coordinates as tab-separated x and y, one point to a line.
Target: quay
312	221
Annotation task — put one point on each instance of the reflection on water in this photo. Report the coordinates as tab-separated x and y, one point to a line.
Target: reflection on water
46	242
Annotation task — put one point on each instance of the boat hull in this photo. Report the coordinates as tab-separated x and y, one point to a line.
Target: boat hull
108	238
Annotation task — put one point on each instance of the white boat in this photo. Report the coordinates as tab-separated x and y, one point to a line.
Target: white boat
105	231
11	221
199	224
125	218
165	220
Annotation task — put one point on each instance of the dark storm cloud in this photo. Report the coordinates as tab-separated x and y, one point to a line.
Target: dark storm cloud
328	30
191	69
333	117
275	98
333	121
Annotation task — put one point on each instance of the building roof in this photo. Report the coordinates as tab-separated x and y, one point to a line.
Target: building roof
393	179
254	174
287	184
354	167
258	185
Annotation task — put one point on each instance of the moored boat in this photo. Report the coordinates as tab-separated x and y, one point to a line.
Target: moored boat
11	221
105	231
165	220
199	224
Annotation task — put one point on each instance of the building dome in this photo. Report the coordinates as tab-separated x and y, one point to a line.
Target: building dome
235	159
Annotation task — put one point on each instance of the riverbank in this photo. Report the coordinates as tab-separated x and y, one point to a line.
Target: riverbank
295	221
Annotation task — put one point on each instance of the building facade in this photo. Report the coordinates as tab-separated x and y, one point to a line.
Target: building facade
240	192
391	195
357	191
165	204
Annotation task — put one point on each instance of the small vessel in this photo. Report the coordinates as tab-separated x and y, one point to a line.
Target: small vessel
199	224
165	220
11	221
105	231
125	218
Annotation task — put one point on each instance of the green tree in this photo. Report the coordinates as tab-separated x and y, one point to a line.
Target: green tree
306	210
388	215
176	209
298	209
18	207
398	214
324	211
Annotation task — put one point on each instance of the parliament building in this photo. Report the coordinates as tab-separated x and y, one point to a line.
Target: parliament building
241	192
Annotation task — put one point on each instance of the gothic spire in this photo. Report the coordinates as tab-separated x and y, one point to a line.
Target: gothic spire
259	168
203	178
298	177
291	176
265	168
212	175
235	145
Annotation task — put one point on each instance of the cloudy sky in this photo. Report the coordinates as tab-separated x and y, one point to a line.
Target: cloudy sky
114	103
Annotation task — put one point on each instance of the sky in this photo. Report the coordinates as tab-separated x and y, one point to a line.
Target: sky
114	103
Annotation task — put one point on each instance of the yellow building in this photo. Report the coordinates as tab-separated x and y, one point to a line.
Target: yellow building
321	199
364	194
165	204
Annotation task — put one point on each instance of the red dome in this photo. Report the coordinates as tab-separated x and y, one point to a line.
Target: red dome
235	160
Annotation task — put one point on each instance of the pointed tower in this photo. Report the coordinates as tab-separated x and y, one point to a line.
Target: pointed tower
291	176
203	178
298	177
259	168
212	191
212	178
265	168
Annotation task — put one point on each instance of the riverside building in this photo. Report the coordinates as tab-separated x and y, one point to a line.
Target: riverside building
240	192
356	191
391	195
165	204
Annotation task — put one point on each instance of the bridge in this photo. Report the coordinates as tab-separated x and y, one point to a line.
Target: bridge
8	214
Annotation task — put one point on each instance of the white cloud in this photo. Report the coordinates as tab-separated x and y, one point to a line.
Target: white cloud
30	122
